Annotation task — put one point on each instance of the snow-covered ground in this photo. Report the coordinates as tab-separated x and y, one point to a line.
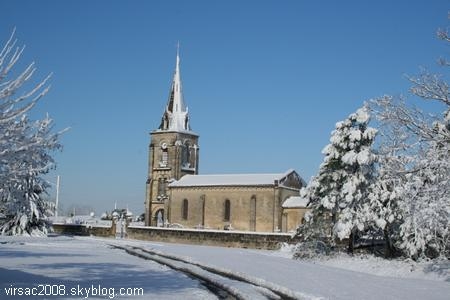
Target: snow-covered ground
86	262
85	268
330	279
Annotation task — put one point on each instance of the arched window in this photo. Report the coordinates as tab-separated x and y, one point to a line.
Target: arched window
159	218
160	186
227	211
186	123
203	204
164	158
184	209
253	213
186	155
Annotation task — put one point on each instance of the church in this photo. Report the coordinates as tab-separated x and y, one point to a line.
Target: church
177	196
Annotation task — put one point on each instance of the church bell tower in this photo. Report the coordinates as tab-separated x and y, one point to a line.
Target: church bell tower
173	153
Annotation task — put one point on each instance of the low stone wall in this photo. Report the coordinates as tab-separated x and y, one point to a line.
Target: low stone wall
238	239
84	230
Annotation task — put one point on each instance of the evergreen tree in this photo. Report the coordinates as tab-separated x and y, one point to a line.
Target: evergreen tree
338	193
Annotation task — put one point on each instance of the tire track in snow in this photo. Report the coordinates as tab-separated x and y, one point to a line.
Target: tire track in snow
238	286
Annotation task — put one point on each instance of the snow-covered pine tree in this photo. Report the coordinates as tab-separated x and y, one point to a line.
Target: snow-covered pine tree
338	193
25	148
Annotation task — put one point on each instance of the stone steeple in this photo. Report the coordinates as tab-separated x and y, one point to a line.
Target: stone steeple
175	117
173	153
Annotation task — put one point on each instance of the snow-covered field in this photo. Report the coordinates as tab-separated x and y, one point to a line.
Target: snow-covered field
76	265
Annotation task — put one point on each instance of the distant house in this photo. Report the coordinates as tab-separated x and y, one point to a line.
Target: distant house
177	195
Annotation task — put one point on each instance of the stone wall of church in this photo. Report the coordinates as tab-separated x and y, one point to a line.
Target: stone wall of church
292	218
285	193
248	209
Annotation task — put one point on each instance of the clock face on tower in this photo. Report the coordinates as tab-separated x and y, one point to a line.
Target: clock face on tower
163	146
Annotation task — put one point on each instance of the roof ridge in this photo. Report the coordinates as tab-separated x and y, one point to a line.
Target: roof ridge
230	174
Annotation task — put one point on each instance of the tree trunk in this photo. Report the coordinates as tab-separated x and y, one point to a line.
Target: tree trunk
388	243
351	243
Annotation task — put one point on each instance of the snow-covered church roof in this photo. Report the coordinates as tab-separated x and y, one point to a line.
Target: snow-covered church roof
294	202
232	179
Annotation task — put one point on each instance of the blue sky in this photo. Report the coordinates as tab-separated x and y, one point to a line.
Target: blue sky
265	81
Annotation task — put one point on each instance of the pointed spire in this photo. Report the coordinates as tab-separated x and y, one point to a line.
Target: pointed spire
178	53
176	114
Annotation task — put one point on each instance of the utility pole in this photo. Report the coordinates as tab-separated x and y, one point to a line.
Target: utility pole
57	196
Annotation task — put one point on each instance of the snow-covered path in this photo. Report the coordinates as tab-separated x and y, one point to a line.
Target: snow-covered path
87	262
307	278
230	285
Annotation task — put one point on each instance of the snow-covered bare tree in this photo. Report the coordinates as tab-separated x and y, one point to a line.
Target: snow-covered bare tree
25	147
412	201
425	206
414	159
337	195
